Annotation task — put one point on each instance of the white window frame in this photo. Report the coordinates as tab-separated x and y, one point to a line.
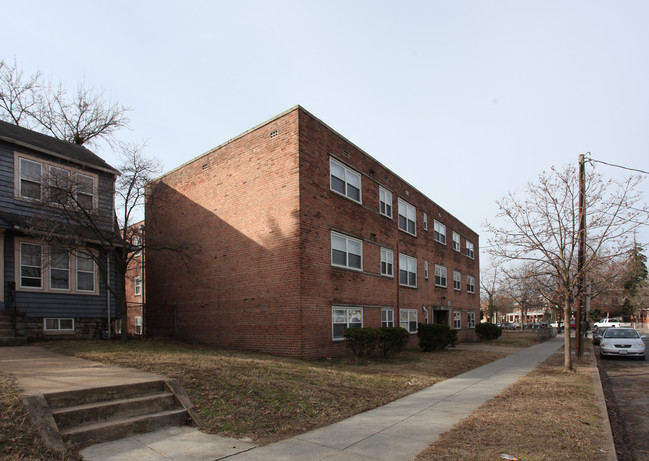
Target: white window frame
387	317
350	314
441	276
40	268
137	286
457	280
470	321
456	242
349	177
82	194
50	322
408	265
457	320
79	270
408	319
138	325
426	270
470	249
385	202
55	175
407	217
387	262
425	222
470	284
23	177
439	232
53	268
340	240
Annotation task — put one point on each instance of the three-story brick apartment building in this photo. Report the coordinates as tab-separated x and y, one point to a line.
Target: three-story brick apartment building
295	234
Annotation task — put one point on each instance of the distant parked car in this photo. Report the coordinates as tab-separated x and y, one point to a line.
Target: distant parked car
597	334
507	326
621	342
573	325
613	322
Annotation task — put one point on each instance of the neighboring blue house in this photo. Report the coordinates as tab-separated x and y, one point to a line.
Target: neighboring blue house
52	286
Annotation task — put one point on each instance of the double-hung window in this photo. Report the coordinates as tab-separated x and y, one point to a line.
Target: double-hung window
439	232
470	320
31	265
59	269
425	222
85	191
407	271
346	251
85	272
387	317
385	202
456	241
408	319
137	286
457	320
59	185
426	270
387	262
457	280
407	217
440	276
345	181
469	249
470	283
31	177
343	318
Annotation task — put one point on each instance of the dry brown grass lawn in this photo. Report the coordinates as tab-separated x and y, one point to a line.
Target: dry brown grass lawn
549	414
268	398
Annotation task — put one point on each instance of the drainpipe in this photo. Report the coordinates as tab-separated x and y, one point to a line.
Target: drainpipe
108	293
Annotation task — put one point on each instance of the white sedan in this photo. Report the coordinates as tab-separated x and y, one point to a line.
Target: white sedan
621	342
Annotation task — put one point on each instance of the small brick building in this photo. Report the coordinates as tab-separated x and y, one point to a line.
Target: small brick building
289	234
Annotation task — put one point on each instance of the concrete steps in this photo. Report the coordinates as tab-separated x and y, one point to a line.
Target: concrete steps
7	334
89	416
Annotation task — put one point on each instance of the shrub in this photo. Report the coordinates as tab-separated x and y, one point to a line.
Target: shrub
361	341
435	336
392	339
488	331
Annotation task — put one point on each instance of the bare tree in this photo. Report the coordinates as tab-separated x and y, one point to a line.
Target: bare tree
521	284
490	286
542	227
82	118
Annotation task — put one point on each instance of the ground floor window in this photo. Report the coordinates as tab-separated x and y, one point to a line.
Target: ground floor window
138	325
387	317
457	320
408	320
51	324
343	318
470	321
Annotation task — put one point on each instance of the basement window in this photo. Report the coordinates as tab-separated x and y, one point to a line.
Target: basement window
60	325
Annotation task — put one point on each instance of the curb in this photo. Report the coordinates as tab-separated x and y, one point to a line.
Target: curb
601	405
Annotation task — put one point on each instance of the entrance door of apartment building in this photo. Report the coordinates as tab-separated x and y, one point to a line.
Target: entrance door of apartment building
441	314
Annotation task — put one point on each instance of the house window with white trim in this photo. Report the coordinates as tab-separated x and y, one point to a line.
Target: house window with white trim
85	272
346	251
425	221
407	217
407	271
137	285
387	317
56	324
59	185
457	320
439	232
85	191
440	276
387	258
138	325
343	318
408	319
470	284
457	280
59	269
31	265
426	270
344	180
456	241
470	320
31	176
469	249
385	202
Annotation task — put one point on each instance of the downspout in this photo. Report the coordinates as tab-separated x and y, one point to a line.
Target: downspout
108	294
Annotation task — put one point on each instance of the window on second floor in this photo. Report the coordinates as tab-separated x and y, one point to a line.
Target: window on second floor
470	284
457	280
137	286
387	262
31	177
407	217
439	232
470	249
407	271
385	202
344	180
440	276
346	251
456	241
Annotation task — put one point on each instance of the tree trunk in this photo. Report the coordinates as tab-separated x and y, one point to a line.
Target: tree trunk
567	353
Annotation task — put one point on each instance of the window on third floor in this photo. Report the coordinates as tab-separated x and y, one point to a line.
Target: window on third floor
344	180
407	217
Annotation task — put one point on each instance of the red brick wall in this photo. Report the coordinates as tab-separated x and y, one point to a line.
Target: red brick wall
255	219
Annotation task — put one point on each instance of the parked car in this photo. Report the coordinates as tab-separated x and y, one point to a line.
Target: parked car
597	334
573	325
621	342
613	322
507	326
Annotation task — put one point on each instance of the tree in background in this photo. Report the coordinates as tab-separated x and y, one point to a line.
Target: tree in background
635	276
542	227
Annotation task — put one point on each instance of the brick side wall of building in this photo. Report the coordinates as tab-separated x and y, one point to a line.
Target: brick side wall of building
233	213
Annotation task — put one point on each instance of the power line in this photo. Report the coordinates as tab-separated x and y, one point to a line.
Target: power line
592	160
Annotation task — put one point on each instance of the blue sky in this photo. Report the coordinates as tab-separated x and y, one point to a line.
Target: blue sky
465	100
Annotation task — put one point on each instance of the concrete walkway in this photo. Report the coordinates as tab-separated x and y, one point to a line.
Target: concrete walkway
397	431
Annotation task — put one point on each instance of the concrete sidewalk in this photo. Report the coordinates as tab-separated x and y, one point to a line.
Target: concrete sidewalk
397	431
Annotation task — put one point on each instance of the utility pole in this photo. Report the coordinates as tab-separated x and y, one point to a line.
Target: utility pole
580	323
